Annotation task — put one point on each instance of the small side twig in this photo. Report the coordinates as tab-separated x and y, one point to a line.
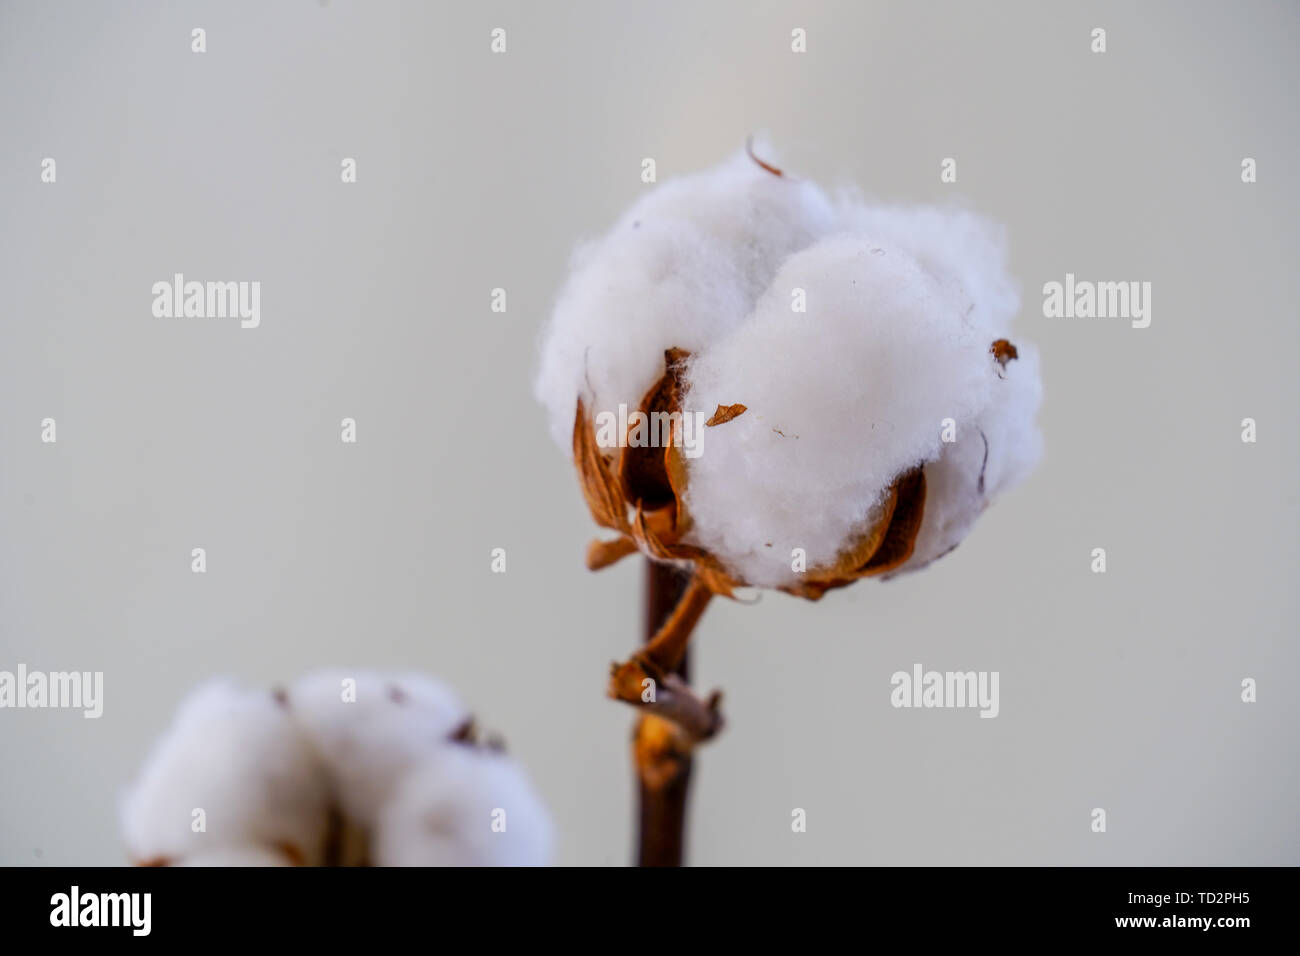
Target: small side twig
674	721
669	698
667	645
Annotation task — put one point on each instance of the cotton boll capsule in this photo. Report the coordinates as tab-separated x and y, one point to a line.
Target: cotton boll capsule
232	771
824	421
464	807
370	728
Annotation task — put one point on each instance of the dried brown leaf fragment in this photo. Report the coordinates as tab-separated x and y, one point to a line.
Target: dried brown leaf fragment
1004	352
725	413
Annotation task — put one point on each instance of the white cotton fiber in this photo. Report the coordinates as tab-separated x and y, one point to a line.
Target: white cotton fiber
684	265
369	729
901	306
236	756
840	400
1002	444
965	253
464	807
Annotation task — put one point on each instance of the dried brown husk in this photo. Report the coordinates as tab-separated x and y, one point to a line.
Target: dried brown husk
641	469
599	486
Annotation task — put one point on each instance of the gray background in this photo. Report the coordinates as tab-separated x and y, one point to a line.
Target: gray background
478	170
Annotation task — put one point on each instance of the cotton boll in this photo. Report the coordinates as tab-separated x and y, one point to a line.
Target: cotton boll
901	306
464	807
237	856
964	252
679	269
369	729
840	400
237	756
1002	444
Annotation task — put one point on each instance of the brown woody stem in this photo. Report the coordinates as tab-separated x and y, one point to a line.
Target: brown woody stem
675	719
663	761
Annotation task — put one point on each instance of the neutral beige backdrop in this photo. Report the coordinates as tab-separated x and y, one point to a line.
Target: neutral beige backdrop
477	171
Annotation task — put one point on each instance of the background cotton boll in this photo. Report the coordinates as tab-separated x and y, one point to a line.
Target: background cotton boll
443	815
965	252
1006	427
680	268
237	856
840	400
236	755
367	743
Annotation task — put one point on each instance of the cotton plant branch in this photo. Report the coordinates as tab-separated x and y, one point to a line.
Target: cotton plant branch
666	646
662	751
698	720
652	677
675	720
664	775
857	400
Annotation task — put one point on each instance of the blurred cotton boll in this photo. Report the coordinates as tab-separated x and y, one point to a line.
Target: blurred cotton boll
237	856
234	770
344	768
465	807
369	729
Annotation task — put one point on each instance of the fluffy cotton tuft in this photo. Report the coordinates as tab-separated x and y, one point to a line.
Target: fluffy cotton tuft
992	453
901	308
963	252
465	807
681	267
841	399
237	756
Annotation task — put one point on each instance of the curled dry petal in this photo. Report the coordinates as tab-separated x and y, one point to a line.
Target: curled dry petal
599	487
601	554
